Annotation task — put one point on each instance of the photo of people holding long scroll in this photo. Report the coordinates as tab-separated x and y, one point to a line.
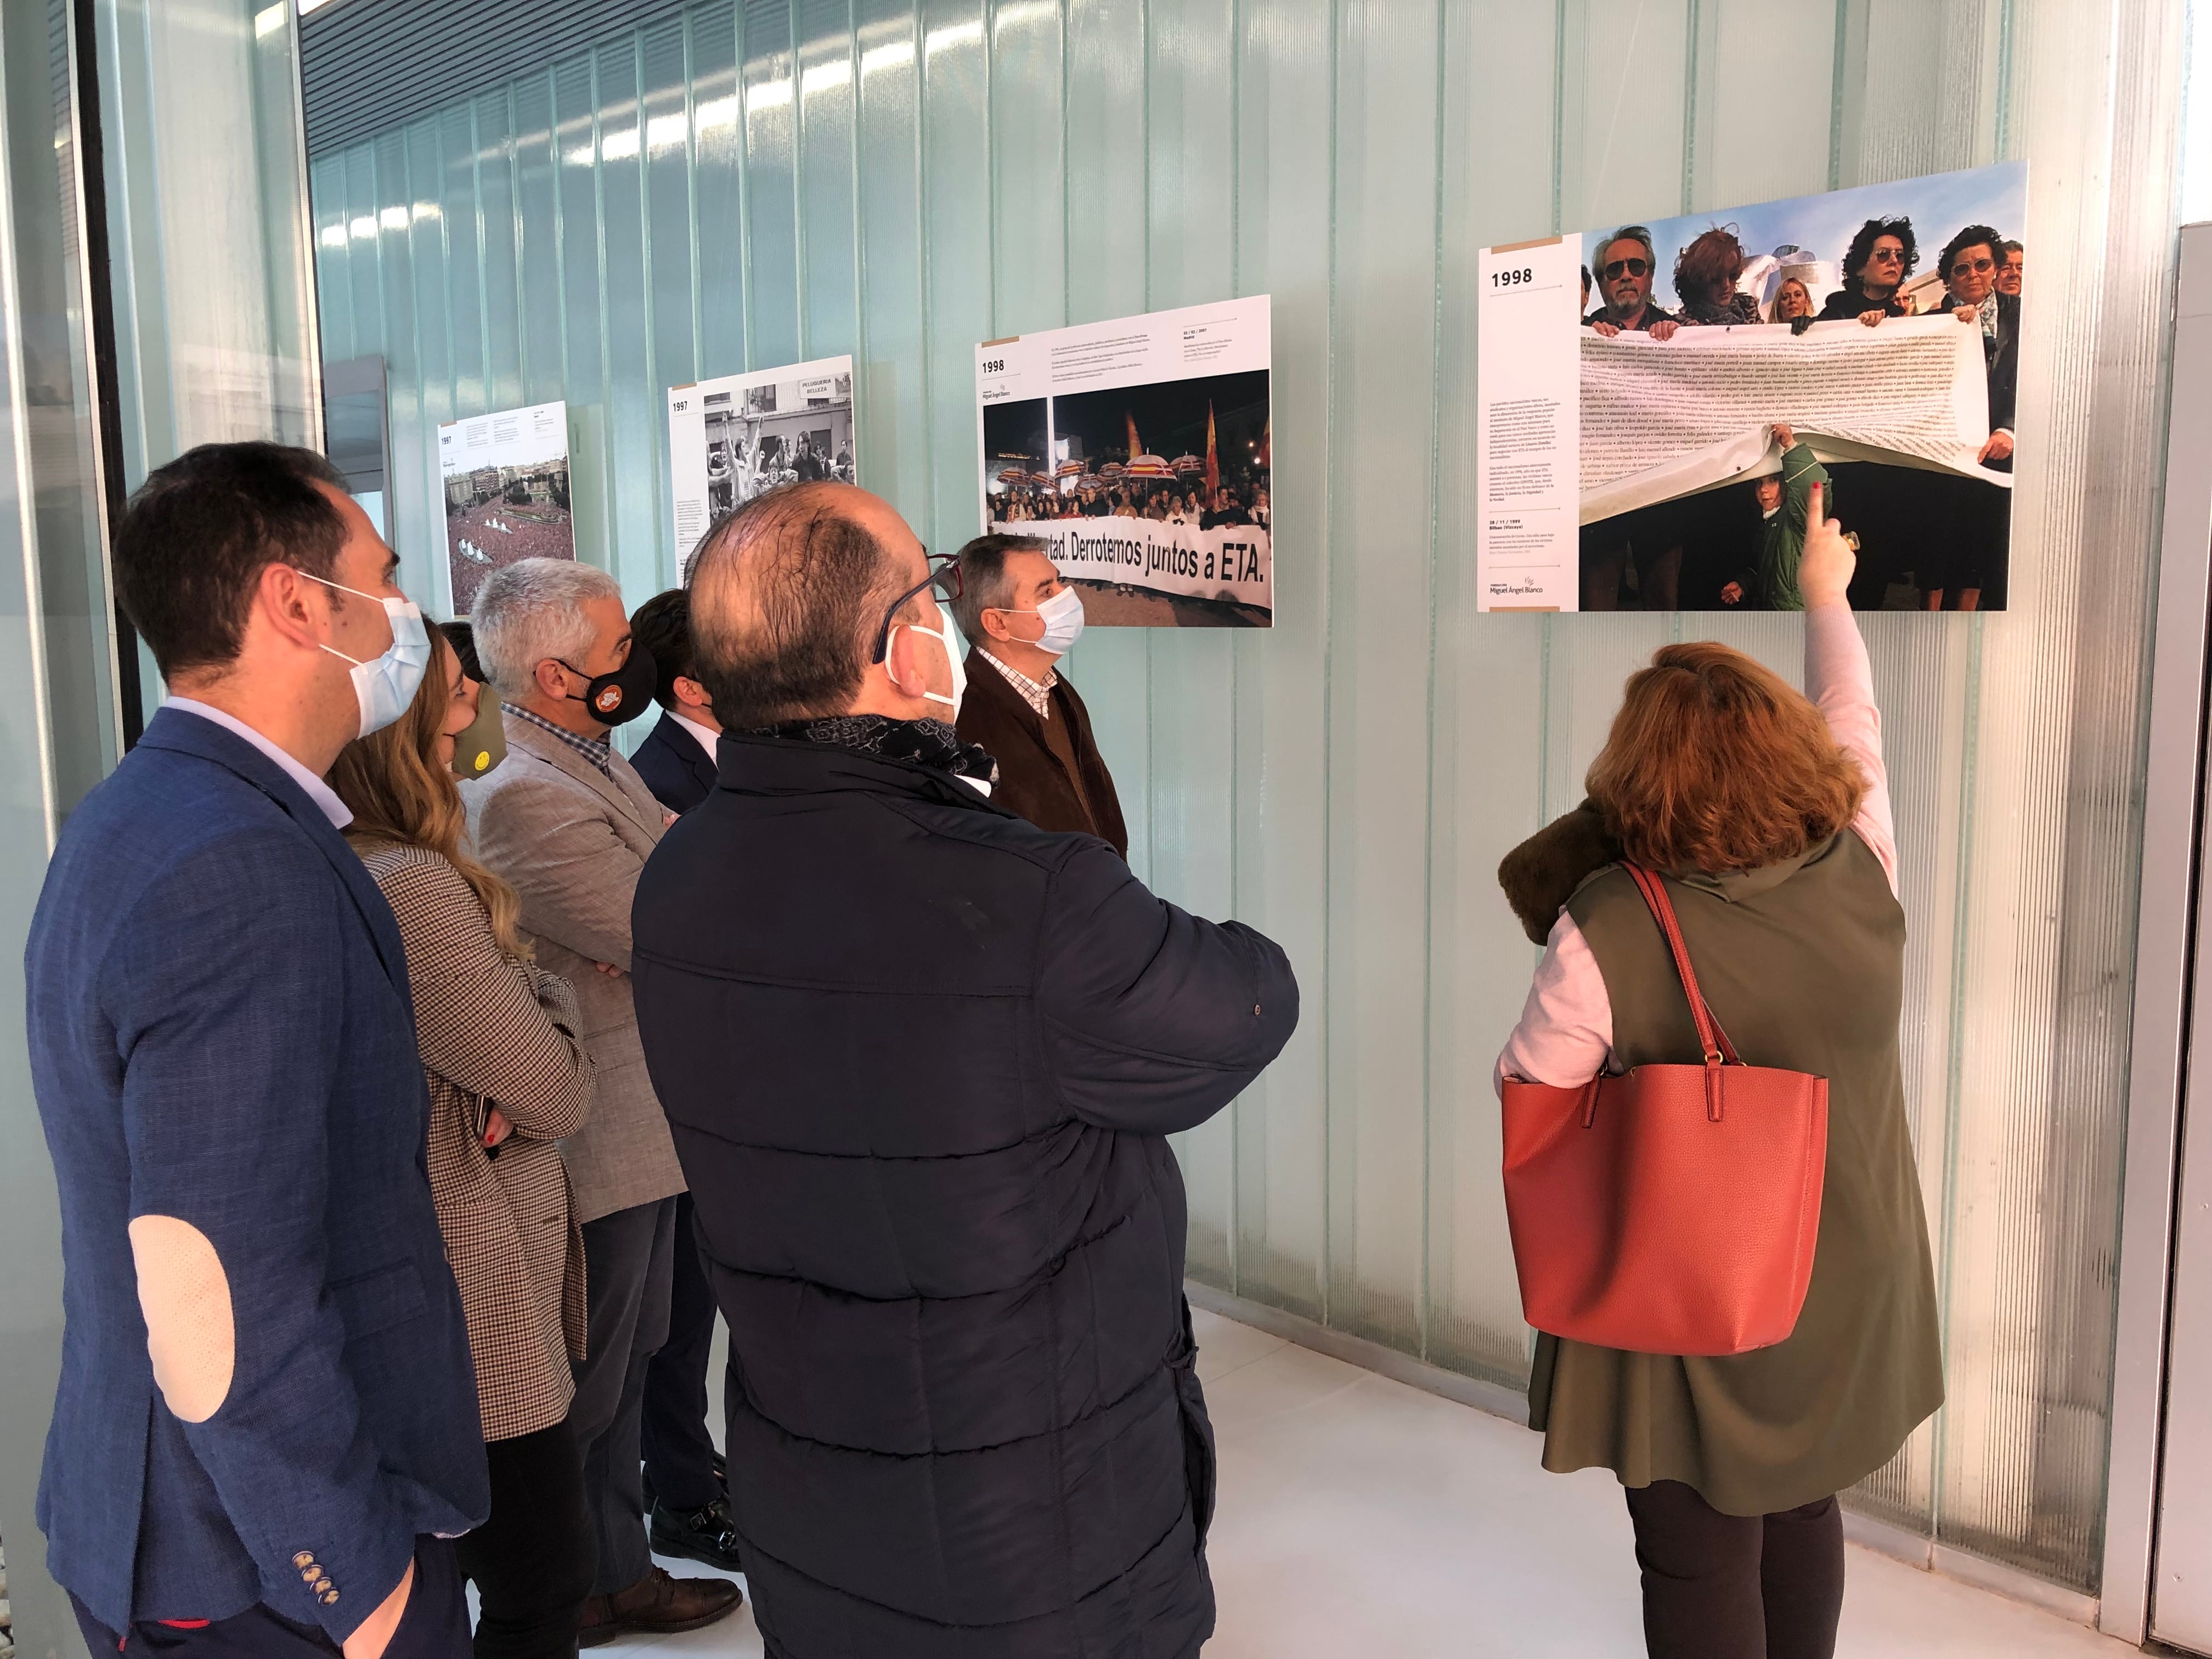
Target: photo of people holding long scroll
1871	334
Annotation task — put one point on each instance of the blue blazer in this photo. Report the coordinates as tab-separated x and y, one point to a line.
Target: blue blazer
677	771
220	1031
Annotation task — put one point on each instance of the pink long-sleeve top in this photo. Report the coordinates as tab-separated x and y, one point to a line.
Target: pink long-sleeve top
1565	1033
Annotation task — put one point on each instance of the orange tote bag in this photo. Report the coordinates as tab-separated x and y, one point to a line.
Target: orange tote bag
1674	1209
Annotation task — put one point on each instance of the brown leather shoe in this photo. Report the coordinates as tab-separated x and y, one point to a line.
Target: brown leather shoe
658	1605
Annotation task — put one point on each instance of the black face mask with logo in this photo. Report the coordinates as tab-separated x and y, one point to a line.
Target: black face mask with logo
622	695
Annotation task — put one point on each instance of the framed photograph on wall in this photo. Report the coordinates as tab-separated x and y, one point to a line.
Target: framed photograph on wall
506	481
1141	450
1658	401
730	438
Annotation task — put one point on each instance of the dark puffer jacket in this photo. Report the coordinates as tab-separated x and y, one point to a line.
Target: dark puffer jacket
919	1055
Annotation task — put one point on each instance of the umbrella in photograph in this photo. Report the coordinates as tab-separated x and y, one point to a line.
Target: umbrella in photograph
1111	470
1149	466
1187	465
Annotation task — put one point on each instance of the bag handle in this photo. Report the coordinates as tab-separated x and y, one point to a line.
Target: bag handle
1711	1039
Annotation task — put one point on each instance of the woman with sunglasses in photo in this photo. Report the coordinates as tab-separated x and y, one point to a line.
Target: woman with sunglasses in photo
508	1079
1882	256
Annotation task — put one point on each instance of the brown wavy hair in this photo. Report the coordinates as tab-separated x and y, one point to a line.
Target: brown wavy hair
401	793
1716	763
1711	258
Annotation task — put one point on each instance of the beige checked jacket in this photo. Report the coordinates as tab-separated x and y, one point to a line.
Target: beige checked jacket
495	1030
572	841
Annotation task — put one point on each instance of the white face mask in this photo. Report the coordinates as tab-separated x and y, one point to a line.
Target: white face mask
943	634
1062	616
384	685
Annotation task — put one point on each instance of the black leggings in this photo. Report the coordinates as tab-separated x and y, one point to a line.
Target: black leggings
533	1558
1736	1587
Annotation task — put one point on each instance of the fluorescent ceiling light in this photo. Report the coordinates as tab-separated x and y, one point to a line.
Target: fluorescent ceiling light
767	94
394	218
266	23
334	235
618	146
823	76
714	112
363	227
667	131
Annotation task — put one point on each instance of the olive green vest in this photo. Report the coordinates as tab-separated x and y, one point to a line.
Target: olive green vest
1803	964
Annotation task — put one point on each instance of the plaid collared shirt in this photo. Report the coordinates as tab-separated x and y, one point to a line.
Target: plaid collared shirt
1038	698
594	749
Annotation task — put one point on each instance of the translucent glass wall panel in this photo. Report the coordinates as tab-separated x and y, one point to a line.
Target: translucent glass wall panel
59	716
213	289
748	182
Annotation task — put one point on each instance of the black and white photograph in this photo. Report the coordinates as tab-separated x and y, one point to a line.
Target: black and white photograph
731	439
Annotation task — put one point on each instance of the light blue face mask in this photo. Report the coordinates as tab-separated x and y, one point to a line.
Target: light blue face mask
384	685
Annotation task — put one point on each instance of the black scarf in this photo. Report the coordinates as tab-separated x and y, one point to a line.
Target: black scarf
932	744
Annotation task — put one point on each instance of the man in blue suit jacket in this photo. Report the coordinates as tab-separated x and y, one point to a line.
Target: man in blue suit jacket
267	1419
676	759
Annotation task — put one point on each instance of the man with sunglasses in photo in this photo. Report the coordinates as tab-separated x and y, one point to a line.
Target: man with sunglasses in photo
1649	538
920	1058
1624	276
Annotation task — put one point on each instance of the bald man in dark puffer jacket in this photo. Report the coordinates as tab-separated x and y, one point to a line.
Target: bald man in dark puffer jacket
919	1057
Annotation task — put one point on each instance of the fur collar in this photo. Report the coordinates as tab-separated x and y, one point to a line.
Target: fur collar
1542	873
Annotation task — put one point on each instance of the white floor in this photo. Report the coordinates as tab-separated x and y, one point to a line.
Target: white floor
1358	1515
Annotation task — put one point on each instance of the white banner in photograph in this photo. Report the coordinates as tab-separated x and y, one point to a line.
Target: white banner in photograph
1662	419
1231	563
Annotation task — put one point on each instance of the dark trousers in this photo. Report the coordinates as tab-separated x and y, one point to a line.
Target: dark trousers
534	1559
679	1452
434	1625
626	1270
1736	1587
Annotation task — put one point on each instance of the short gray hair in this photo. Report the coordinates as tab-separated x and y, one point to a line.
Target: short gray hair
531	610
983	584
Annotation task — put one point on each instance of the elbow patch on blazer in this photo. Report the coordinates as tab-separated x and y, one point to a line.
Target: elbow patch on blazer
185	1299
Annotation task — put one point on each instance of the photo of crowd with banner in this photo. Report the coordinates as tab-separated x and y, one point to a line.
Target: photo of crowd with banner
1153	492
1723	365
506	481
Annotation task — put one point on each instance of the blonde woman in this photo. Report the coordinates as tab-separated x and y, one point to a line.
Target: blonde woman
508	1079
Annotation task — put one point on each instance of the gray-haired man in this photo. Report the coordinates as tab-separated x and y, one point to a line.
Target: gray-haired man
568	822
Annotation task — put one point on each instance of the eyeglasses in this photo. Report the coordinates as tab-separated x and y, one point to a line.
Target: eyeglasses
944	576
1888	256
1977	266
1633	267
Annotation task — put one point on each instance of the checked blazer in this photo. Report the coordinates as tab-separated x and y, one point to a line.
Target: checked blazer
495	1031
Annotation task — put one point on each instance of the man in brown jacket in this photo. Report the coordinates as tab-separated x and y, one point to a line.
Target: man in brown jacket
1021	618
